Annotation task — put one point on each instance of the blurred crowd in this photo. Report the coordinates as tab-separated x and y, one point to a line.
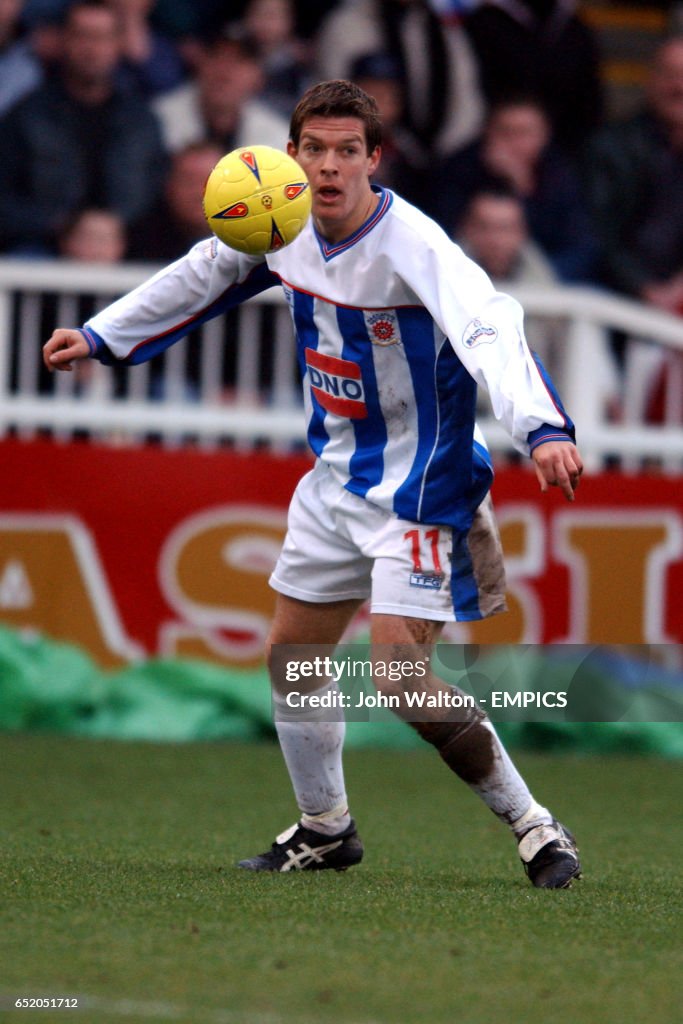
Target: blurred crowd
113	112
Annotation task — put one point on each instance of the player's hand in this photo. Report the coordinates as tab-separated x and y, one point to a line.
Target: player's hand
558	464
63	348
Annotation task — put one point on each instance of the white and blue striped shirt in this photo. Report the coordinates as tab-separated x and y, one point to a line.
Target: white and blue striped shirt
395	328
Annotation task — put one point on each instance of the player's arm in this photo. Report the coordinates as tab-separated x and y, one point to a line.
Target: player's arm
201	285
524	398
486	330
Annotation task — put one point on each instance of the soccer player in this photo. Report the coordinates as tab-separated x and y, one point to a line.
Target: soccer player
395	329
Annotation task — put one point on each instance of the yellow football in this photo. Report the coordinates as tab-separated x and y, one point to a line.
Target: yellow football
257	199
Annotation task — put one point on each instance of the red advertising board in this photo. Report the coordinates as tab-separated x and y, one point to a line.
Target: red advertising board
139	551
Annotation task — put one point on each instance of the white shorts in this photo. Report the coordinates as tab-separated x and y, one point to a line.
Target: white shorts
340	547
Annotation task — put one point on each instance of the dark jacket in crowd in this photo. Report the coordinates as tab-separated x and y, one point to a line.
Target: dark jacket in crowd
57	156
556	212
635	184
540	48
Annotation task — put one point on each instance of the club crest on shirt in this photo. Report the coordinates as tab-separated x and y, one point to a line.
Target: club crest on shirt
336	384
478	332
383	327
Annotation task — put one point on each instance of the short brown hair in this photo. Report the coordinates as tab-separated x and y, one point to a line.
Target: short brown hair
338	98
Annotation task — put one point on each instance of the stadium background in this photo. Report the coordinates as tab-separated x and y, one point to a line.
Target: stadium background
176	568
138	762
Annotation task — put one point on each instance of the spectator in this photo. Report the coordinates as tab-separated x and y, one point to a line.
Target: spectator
20	69
76	141
284	57
516	150
540	47
222	104
444	107
635	173
178	221
403	167
494	233
89	235
93	236
151	62
166	233
186	20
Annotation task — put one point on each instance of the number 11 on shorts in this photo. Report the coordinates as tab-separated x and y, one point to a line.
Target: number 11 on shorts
431	541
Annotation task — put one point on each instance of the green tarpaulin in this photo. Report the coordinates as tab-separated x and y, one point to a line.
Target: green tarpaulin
47	686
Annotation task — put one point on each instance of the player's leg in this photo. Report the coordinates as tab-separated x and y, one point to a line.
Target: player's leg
311	741
468	743
311	738
463	736
321	581
423	576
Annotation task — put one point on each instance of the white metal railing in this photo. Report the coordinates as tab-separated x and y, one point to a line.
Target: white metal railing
201	389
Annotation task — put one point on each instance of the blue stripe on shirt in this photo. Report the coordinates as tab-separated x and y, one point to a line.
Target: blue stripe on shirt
366	466
308	336
443	485
454	484
417	334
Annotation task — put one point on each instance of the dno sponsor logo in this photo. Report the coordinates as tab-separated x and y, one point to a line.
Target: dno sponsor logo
337	384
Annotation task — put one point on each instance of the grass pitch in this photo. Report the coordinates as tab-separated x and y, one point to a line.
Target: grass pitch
117	886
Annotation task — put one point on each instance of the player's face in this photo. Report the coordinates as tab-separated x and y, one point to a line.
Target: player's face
333	152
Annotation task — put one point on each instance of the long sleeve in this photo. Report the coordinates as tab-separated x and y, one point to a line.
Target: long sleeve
486	331
206	282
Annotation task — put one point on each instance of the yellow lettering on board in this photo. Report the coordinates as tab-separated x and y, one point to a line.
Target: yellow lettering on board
214	573
51	580
617	562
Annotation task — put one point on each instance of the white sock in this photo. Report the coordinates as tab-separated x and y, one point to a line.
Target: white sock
503	789
535	816
331	822
312	751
